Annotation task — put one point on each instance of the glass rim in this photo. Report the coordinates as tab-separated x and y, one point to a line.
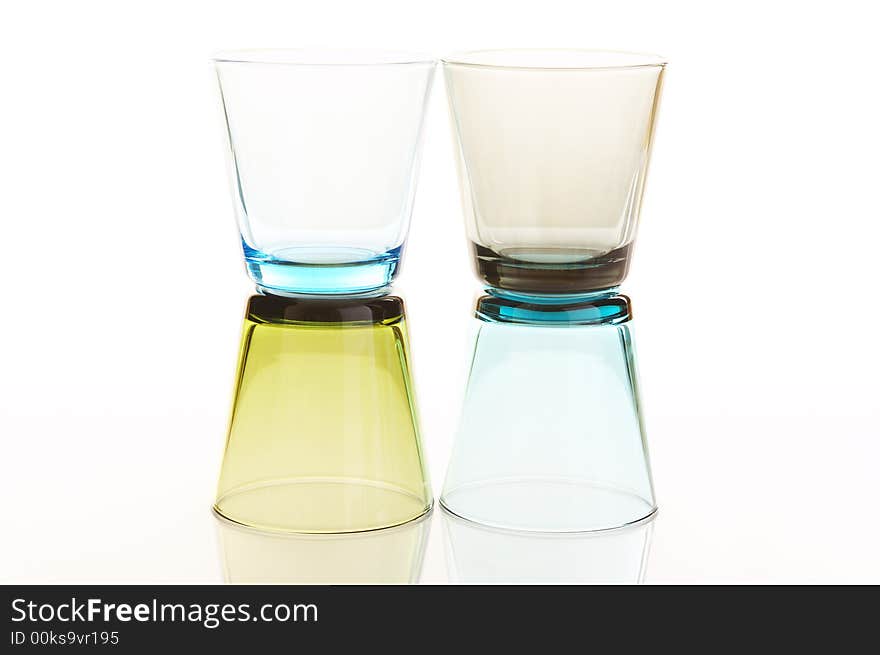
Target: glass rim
578	59
329	57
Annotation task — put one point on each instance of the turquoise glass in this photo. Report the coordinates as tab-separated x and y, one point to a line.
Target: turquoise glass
551	436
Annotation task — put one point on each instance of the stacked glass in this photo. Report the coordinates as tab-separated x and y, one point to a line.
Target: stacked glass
552	151
323	155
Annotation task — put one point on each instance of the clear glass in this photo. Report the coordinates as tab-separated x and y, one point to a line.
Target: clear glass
324	152
553	150
551	437
476	554
389	556
324	436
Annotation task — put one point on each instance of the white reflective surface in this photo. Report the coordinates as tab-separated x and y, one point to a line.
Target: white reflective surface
476	554
389	556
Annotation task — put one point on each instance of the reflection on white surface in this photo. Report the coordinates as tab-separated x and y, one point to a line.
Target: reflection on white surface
477	554
390	556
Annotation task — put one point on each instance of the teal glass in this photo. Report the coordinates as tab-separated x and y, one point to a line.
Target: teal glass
551	436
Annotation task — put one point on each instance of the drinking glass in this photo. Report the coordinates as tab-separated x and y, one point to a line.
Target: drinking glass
552	153
551	436
324	434
324	151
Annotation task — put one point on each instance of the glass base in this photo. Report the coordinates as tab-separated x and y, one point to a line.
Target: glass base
322	271
547	505
552	271
607	308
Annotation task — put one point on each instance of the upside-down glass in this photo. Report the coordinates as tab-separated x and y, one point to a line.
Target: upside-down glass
324	433
551	436
324	151
552	152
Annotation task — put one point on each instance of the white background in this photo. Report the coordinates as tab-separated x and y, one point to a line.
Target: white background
754	282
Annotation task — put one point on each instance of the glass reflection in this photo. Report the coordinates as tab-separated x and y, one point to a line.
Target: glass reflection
389	556
476	554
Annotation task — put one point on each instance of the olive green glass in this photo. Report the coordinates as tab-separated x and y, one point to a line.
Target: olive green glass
324	435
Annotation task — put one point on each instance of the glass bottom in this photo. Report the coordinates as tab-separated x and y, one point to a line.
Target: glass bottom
547	505
598	309
321	505
563	271
322	271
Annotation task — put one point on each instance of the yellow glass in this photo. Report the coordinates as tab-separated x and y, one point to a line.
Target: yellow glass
389	556
324	435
